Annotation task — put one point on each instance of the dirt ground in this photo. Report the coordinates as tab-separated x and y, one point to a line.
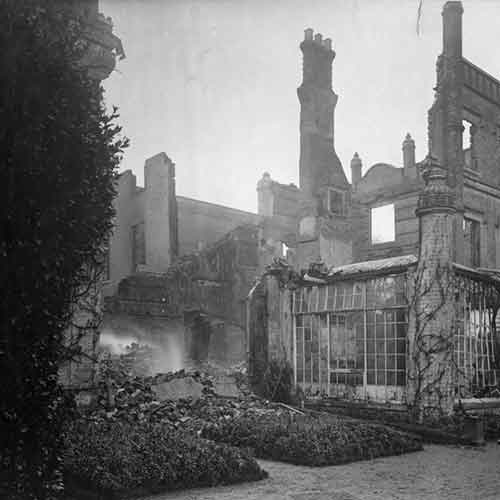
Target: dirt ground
436	473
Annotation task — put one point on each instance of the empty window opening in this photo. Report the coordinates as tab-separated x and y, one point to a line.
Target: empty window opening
472	242
467	135
469	129
284	250
336	202
383	224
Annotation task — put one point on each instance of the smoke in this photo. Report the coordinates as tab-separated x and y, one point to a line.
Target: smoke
167	343
117	344
169	355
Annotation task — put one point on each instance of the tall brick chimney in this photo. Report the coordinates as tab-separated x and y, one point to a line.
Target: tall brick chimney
160	212
319	165
452	29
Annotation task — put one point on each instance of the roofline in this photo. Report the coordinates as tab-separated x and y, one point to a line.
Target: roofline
187	198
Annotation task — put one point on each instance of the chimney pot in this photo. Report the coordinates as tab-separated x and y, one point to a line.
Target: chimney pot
327	43
318	38
308	34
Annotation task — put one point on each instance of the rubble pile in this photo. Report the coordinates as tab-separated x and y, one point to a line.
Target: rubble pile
185	399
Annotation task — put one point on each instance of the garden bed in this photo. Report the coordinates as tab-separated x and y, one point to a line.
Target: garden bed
143	435
312	440
120	459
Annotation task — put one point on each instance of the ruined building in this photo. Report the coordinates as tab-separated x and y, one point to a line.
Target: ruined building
401	309
389	290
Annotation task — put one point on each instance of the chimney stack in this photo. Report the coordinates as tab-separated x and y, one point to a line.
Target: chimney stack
409	166
356	166
452	29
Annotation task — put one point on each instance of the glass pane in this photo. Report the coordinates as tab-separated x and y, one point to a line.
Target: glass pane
401	346
331	297
370	362
391	362
380	362
380	334
370	346
313	304
322	298
391	346
401	362
307	334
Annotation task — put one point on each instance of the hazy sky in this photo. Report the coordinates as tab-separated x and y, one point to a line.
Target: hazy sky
213	82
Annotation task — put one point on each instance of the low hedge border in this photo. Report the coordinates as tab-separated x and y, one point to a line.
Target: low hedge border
313	441
112	460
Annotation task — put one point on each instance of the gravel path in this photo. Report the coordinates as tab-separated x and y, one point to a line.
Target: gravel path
437	473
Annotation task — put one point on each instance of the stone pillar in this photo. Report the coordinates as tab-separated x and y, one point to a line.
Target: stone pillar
431	341
356	168
409	165
452	89
160	213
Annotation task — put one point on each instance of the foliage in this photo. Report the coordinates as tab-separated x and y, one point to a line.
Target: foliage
310	441
277	381
60	150
118	459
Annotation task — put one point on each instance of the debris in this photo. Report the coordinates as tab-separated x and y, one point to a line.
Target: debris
178	388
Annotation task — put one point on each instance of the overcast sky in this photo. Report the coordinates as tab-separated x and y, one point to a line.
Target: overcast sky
212	83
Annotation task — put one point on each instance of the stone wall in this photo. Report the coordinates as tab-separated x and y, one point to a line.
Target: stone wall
201	223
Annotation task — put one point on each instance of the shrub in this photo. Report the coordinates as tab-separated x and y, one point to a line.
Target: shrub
120	459
277	381
312	442
60	152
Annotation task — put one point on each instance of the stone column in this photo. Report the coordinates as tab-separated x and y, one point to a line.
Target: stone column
452	89
431	342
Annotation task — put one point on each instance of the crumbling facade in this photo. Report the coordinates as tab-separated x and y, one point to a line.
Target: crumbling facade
154	226
401	308
197	307
383	289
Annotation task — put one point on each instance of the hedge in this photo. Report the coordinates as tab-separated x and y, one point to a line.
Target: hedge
312	441
119	459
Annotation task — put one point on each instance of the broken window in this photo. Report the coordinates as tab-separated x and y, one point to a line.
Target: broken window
469	129
138	246
351	335
472	242
383	224
476	307
336	202
284	249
